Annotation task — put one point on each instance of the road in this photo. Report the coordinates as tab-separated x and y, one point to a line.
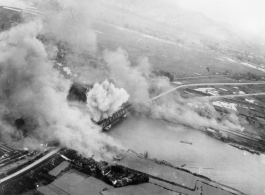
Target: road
228	96
31	165
20	6
204	84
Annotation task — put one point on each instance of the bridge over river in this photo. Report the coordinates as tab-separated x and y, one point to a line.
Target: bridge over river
106	123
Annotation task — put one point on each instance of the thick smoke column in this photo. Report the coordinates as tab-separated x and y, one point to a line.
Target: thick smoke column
104	99
31	89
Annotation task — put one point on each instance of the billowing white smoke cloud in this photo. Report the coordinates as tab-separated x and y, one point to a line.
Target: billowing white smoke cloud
104	99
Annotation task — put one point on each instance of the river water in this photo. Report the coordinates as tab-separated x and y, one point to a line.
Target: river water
207	156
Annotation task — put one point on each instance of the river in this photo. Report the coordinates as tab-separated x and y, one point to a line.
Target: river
207	156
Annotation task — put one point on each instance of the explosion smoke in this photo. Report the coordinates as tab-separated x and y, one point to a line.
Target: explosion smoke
104	99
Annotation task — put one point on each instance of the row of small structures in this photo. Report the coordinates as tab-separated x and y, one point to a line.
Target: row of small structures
115	175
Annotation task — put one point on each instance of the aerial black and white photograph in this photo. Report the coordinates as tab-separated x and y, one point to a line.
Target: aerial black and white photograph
132	97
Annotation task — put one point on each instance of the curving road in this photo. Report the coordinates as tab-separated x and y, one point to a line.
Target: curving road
207	84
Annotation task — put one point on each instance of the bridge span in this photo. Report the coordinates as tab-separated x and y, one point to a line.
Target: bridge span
106	123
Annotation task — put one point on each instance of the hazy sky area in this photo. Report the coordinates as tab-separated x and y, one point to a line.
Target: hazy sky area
248	15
